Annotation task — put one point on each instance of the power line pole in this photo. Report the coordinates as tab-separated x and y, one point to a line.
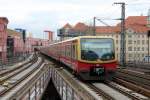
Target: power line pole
148	35
94	26
123	43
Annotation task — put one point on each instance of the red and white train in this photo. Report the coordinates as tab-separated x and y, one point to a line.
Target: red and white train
90	57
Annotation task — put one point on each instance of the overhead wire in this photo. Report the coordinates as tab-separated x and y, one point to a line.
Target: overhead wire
109	16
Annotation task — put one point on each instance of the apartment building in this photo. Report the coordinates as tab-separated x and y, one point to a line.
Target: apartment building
136	36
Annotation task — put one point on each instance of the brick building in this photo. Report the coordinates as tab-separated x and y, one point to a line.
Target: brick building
3	38
12	44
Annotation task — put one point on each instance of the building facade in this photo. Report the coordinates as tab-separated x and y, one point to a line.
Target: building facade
3	38
136	36
12	43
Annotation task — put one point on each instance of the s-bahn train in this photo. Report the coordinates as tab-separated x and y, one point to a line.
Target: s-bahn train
90	57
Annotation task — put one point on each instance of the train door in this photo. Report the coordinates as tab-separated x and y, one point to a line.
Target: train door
73	55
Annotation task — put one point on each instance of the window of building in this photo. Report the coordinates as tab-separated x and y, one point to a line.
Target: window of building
134	42
138	36
130	55
129	36
135	55
142	48
116	36
138	41
142	36
143	55
129	41
138	49
117	49
116	41
134	48
143	41
129	48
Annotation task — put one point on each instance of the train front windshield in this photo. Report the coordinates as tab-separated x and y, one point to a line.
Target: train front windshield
94	49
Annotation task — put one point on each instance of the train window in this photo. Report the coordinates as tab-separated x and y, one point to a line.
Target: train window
73	51
63	50
74	55
94	49
69	50
66	50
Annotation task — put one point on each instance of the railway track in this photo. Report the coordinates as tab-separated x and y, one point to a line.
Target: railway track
13	68
127	91
139	67
136	81
100	92
13	77
110	90
11	73
113	91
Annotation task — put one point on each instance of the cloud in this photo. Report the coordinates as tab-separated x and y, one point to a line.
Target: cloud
38	15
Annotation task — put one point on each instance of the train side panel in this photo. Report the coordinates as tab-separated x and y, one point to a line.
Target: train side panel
68	54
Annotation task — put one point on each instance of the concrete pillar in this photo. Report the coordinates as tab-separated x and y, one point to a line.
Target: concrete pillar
3	38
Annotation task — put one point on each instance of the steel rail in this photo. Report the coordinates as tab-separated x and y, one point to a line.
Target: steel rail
20	80
121	90
2	73
17	70
133	87
136	78
100	92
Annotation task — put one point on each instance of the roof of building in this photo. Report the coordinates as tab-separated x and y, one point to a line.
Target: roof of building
138	20
107	29
4	19
137	23
80	27
67	26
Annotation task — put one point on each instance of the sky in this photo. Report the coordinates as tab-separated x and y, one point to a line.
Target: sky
38	15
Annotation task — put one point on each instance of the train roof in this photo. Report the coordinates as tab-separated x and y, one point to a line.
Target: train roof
79	37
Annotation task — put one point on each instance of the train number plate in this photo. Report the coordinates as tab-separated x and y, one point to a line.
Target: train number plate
99	70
